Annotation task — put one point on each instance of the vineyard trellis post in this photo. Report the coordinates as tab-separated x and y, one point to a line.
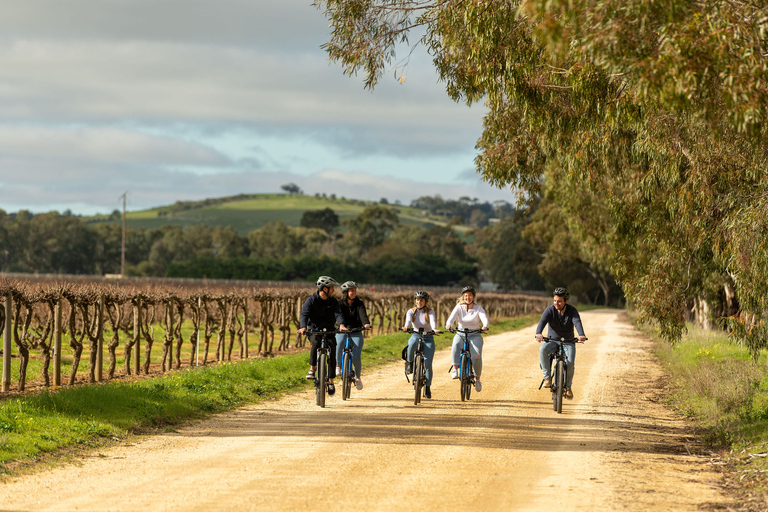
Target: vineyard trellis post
197	345
7	343
100	342
57	343
245	325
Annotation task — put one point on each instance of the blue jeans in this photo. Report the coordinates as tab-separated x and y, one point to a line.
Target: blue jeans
356	339
475	351
550	347
429	353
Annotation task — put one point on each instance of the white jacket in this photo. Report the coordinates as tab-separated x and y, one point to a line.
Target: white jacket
474	318
419	320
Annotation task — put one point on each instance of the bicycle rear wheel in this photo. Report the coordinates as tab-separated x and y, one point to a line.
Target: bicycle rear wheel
560	379
346	371
322	378
418	378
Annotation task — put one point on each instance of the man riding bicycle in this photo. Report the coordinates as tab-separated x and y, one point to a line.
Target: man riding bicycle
322	311
561	318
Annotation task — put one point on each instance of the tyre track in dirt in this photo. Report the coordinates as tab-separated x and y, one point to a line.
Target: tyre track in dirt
614	447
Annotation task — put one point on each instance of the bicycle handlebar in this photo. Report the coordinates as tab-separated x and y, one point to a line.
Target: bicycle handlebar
354	329
414	331
563	340
466	331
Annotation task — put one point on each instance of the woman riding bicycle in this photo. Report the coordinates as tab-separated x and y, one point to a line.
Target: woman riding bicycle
321	311
355	317
561	318
421	317
470	316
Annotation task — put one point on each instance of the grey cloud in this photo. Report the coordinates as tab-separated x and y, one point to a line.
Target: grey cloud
102	96
220	22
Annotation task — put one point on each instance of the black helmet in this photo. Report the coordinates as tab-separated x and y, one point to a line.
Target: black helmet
349	284
562	292
421	294
324	281
469	288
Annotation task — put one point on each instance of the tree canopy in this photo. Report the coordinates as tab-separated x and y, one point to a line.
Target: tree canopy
645	121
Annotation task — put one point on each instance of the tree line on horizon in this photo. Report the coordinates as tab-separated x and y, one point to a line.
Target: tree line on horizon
374	247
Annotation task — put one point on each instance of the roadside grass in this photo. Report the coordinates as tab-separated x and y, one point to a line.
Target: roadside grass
41	425
717	385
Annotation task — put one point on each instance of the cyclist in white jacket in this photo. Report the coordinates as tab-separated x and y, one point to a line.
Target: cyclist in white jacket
470	316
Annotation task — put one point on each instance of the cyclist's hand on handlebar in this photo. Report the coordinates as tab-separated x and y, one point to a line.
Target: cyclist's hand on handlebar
343	328
484	329
582	339
301	331
367	326
539	338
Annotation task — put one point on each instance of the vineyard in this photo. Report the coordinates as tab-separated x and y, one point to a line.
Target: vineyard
54	320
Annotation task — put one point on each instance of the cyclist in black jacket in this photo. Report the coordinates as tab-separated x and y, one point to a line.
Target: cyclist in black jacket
355	317
321	311
562	318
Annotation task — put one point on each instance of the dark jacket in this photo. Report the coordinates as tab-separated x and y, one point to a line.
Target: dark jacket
560	326
318	314
355	315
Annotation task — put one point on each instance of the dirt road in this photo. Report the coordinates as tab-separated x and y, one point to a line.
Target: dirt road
613	448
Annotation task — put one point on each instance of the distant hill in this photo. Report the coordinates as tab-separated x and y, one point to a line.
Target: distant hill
247	212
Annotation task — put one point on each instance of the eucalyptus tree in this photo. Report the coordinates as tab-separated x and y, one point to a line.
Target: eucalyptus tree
648	117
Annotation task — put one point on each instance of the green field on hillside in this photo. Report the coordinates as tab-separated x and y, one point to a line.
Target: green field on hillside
246	213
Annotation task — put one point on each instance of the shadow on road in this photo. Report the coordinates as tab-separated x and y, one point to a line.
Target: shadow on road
503	424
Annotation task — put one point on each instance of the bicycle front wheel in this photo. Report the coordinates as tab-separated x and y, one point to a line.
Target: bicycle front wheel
322	378
346	371
464	375
418	378
560	379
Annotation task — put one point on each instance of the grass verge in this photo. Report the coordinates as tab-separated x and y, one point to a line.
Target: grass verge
718	386
32	427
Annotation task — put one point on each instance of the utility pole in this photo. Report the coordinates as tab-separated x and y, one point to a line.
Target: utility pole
122	252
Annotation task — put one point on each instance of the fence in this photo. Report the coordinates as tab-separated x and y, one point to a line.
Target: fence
259	319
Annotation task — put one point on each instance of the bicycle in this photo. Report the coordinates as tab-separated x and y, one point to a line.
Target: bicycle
321	375
347	372
419	367
560	375
466	371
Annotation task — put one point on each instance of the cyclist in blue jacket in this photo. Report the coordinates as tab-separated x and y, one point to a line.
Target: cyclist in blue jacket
562	318
322	311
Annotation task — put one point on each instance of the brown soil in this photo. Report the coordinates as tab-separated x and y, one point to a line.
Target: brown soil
614	447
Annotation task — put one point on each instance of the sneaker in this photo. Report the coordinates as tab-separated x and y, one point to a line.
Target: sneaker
358	383
331	389
478	386
548	382
409	367
568	394
454	373
427	392
311	375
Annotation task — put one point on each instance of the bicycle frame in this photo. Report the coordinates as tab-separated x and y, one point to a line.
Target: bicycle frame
419	367
466	369
347	371
560	374
321	376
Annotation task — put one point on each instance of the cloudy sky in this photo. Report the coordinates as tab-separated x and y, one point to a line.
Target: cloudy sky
187	99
